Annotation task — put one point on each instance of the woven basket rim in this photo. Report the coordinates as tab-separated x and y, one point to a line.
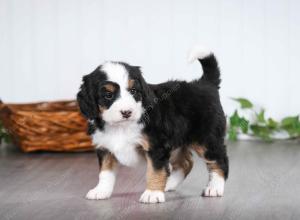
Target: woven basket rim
37	102
62	106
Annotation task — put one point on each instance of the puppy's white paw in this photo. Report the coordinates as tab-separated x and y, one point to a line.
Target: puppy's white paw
210	191
215	186
98	193
152	196
176	177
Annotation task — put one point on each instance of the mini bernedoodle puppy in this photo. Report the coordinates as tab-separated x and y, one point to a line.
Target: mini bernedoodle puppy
131	122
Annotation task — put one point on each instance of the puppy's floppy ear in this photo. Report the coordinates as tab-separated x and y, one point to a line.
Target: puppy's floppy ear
86	98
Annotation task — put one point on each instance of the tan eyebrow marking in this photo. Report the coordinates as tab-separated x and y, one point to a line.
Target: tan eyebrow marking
130	83
110	87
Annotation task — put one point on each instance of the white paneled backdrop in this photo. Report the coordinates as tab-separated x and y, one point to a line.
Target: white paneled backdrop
47	45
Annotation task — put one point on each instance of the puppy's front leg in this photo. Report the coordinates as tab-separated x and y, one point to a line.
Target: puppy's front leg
107	176
156	182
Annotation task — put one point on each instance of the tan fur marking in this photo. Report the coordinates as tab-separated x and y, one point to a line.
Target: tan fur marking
145	143
156	179
200	150
214	167
182	160
130	83
109	87
109	162
102	109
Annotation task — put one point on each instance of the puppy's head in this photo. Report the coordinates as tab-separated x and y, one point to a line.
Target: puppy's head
115	92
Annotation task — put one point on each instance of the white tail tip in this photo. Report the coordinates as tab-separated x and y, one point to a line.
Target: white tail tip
198	52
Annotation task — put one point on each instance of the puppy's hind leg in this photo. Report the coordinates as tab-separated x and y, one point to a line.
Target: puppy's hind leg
181	163
217	164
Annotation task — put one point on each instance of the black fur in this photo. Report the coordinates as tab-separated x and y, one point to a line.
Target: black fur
88	95
211	70
178	113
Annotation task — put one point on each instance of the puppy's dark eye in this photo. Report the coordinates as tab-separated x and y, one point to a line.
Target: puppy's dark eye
132	91
108	95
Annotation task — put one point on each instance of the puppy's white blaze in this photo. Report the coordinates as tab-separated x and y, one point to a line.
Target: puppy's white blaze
198	52
176	177
116	73
215	186
105	186
152	196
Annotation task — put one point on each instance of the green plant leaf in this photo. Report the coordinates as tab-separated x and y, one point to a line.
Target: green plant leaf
261	131
244	103
234	119
272	124
244	125
261	116
262	128
291	125
236	124
232	134
4	136
290	121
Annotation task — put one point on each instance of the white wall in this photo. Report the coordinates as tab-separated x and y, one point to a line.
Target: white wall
47	45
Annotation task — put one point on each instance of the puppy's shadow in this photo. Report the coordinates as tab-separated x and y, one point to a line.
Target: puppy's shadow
126	194
174	196
171	196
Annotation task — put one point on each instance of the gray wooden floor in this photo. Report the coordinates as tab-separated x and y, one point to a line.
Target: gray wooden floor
264	183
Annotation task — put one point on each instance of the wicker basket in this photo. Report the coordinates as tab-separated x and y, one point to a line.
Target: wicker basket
48	126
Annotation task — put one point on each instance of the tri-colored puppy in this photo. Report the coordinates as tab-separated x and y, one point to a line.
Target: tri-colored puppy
131	121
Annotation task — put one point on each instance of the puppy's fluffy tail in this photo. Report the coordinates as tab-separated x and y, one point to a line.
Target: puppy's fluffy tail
211	71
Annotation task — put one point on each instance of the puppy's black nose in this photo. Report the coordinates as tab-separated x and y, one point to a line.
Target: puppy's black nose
126	114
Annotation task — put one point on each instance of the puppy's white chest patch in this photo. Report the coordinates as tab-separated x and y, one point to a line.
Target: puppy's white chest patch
121	140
